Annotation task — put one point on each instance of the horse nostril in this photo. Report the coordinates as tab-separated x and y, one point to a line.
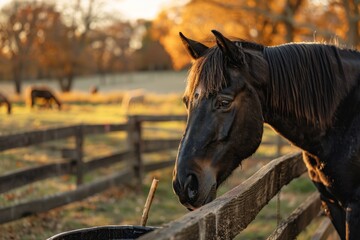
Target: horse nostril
191	188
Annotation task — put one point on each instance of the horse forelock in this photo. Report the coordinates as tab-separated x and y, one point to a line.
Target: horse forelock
207	73
306	76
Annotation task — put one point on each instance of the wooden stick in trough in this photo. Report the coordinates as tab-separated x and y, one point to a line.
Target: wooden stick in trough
148	202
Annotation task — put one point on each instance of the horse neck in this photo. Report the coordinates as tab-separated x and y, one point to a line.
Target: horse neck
300	110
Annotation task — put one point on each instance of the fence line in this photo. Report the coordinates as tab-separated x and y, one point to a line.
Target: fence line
230	213
298	220
243	202
74	164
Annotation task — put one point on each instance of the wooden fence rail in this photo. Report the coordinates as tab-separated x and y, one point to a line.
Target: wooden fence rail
229	214
74	164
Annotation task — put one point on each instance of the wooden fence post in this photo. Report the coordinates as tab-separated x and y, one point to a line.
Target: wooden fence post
134	143
79	139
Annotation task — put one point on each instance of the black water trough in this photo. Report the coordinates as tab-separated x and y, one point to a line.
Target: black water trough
104	233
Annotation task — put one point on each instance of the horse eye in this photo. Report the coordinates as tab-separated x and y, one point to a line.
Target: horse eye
223	103
196	95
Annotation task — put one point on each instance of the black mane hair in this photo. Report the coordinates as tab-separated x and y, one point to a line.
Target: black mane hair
307	80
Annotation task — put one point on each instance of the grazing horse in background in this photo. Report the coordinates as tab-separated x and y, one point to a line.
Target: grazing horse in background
132	98
44	94
94	89
309	93
5	101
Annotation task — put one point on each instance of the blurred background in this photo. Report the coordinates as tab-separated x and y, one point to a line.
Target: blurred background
66	40
105	59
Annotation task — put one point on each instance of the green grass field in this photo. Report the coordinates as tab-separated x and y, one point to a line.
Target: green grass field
120	204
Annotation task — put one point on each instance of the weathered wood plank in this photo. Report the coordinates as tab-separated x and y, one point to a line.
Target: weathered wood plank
68	153
45	204
26	176
158	165
23	177
40	136
106	161
103	128
135	147
300	218
156	145
35	137
79	142
229	214
324	230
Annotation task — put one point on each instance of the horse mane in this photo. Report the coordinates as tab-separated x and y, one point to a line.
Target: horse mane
303	81
307	80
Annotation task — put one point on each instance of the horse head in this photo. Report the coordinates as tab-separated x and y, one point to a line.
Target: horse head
225	122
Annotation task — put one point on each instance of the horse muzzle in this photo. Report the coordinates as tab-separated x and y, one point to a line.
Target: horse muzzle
195	190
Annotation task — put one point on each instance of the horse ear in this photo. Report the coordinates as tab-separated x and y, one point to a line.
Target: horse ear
194	48
229	48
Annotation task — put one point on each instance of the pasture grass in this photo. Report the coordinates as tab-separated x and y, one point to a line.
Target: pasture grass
119	204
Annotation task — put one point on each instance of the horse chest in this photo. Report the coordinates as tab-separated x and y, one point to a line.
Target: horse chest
338	183
316	171
325	179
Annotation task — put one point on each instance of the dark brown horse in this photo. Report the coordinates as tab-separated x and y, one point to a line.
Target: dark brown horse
43	94
4	101
309	93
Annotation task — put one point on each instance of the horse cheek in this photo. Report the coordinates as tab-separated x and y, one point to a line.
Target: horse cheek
226	125
250	127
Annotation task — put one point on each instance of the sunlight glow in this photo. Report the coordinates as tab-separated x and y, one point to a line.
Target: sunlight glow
135	9
124	9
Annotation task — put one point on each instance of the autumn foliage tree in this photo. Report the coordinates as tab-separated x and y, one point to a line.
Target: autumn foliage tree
268	22
36	29
42	40
70	42
18	34
111	46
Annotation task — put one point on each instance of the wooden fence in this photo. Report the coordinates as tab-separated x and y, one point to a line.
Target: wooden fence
223	218
229	214
75	165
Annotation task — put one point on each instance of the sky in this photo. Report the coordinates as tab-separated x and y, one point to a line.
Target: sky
128	9
134	9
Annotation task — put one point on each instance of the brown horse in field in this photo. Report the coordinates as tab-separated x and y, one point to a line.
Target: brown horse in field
4	101
45	95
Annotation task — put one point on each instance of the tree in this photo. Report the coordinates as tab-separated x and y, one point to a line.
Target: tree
65	48
151	55
349	12
111	46
74	41
52	47
266	22
19	30
269	22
